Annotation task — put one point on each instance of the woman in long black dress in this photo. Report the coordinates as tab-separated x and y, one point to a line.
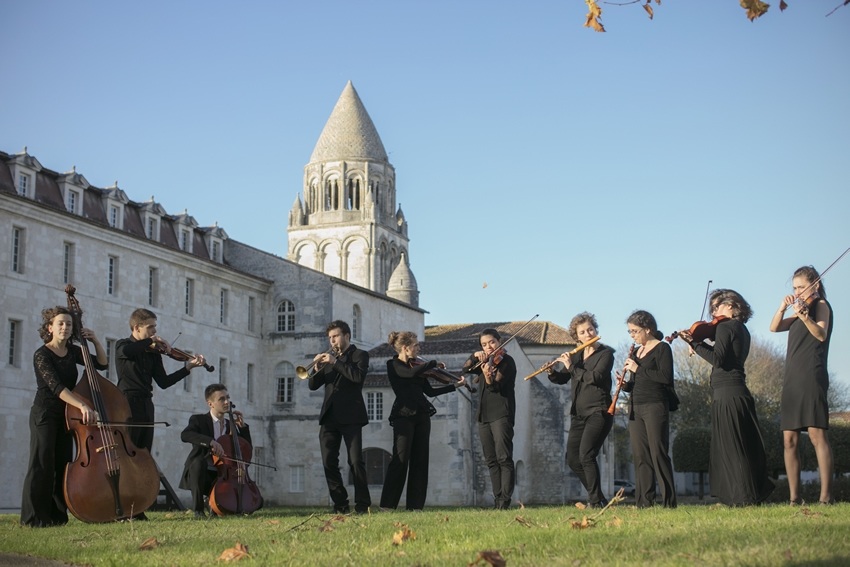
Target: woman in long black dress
804	390
55	364
737	462
651	384
410	419
589	374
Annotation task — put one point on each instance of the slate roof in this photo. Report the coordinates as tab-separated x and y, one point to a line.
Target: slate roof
349	133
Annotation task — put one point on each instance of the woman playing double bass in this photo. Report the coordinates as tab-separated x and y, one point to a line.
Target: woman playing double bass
55	364
199	472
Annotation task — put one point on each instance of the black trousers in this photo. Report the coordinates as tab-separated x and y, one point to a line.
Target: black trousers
200	478
141	410
497	444
587	434
43	498
411	447
649	431
331	436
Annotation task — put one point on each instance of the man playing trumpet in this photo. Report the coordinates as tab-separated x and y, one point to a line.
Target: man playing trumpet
342	372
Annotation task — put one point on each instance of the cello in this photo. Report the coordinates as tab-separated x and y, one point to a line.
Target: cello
234	492
110	478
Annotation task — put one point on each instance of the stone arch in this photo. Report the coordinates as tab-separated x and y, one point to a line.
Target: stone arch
306	254
330	258
355	257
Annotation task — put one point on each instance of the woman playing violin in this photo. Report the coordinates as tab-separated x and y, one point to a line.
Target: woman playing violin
737	462
804	404
589	374
410	419
496	412
651	373
55	364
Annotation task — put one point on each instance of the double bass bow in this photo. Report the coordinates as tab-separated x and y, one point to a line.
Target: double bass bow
110	478
234	492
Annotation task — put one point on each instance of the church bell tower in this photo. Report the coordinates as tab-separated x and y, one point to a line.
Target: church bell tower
346	222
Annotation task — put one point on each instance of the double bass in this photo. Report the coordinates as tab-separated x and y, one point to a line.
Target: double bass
234	492
110	478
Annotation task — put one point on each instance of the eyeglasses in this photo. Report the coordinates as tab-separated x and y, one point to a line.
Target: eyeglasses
633	332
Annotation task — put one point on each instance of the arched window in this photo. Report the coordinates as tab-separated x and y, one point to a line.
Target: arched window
284	379
285	317
376	460
355	322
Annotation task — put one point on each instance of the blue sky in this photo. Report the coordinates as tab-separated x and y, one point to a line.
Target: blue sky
567	169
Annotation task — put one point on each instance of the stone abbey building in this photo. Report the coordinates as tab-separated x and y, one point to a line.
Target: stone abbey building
257	316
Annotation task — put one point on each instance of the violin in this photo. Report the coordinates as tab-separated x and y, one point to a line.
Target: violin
804	304
234	492
621	379
110	478
497	356
701	330
179	355
441	375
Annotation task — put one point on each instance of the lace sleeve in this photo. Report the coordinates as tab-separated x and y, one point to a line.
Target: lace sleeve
47	373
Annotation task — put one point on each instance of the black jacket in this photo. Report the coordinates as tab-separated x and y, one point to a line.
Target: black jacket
343	382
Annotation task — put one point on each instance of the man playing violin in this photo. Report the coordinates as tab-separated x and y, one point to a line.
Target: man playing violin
138	360
343	415
496	412
203	432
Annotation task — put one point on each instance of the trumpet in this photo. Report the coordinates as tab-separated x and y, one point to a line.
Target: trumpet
552	363
305	372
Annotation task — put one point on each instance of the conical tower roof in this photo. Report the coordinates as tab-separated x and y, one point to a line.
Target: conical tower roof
349	133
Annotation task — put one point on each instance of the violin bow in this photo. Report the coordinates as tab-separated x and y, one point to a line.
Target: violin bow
502	345
820	277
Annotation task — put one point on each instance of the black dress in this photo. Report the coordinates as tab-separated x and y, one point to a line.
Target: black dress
804	402
737	462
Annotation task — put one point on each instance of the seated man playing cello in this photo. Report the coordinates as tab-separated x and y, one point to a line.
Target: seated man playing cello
203	432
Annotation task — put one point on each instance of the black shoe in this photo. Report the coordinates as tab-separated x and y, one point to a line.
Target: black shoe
140	517
342	509
199	515
361	510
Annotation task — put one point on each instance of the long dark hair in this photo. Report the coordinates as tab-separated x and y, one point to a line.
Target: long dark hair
811	274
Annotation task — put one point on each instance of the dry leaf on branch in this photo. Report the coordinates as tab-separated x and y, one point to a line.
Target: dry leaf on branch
491	557
149	543
583	524
402	535
328	526
593	15
754	8
234	553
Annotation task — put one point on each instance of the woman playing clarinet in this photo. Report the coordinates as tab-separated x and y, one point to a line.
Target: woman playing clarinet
589	374
804	404
651	371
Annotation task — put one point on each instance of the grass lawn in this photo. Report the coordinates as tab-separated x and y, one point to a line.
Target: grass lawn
773	534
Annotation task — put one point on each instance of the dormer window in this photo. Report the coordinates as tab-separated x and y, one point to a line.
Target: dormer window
114	216
24	183
185	241
152	228
215	251
72	199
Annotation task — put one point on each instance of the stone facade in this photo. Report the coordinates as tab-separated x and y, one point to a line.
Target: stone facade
257	316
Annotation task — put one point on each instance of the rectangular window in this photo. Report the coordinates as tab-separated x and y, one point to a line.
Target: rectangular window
112	276
23	184
215	251
18	241
113	216
375	406
189	297
71	201
222	308
68	264
222	371
110	352
250	313
184	240
152	232
285	389
296	478
249	383
14	358
153	286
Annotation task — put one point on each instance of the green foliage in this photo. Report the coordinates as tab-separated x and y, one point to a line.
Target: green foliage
690	450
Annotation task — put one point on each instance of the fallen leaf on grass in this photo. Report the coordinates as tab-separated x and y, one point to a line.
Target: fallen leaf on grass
273	522
787	555
523	522
491	557
402	535
234	553
583	524
616	522
149	543
328	526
